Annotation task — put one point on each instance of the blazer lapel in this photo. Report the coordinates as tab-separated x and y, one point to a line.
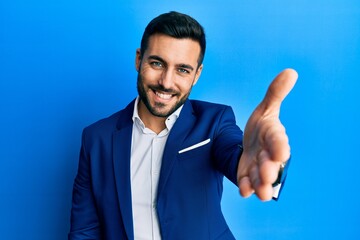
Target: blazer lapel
121	161
177	135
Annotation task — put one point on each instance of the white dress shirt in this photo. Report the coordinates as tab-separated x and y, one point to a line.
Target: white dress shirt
147	149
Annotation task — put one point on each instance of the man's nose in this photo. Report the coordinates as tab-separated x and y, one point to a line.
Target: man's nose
167	78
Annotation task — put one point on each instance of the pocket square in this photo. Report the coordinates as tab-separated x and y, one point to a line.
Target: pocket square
195	146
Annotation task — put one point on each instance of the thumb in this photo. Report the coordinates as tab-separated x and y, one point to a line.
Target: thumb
279	88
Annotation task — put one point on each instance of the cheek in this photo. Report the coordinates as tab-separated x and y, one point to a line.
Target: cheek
149	75
185	84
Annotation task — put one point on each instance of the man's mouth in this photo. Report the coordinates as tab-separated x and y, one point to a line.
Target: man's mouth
164	96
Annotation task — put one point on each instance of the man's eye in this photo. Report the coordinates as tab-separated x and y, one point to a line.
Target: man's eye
156	64
183	70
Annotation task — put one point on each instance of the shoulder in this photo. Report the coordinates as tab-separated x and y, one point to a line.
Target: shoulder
104	123
213	115
209	108
111	123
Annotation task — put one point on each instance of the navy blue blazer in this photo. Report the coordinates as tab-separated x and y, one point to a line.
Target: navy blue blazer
190	185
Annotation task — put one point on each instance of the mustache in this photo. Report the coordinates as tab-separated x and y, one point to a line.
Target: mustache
162	89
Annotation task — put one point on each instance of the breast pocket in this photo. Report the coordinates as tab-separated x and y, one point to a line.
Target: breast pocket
195	146
196	156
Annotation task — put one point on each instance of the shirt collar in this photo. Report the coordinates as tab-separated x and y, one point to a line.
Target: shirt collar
169	122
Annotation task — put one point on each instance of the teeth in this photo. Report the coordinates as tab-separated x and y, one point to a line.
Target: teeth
163	96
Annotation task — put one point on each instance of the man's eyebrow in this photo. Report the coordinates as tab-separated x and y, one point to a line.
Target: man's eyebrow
186	66
155	57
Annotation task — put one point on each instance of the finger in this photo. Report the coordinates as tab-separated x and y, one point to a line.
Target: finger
268	169
262	189
254	176
264	192
245	187
279	89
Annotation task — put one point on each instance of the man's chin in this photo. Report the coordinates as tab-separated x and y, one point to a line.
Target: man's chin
162	114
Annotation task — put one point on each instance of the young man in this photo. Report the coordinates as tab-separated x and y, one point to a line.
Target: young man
154	170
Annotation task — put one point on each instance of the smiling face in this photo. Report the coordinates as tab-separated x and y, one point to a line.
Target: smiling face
167	70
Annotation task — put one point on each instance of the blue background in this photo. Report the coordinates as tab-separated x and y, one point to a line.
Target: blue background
65	64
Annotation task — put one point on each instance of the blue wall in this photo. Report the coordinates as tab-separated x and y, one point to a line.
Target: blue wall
65	64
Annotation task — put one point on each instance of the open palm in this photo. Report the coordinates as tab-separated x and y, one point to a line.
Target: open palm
265	141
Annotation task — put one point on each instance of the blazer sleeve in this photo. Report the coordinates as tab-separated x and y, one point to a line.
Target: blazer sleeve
84	218
228	142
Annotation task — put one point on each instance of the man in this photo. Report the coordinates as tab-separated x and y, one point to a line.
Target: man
154	170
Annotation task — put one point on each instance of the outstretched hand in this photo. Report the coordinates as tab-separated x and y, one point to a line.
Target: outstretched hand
265	143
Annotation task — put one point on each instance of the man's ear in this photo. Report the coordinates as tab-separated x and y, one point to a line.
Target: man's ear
198	73
138	59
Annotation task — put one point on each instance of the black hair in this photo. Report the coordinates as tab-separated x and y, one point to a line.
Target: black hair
176	25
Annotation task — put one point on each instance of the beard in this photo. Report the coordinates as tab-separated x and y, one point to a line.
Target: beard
158	109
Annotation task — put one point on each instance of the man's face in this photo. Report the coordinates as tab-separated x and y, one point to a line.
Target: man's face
167	70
